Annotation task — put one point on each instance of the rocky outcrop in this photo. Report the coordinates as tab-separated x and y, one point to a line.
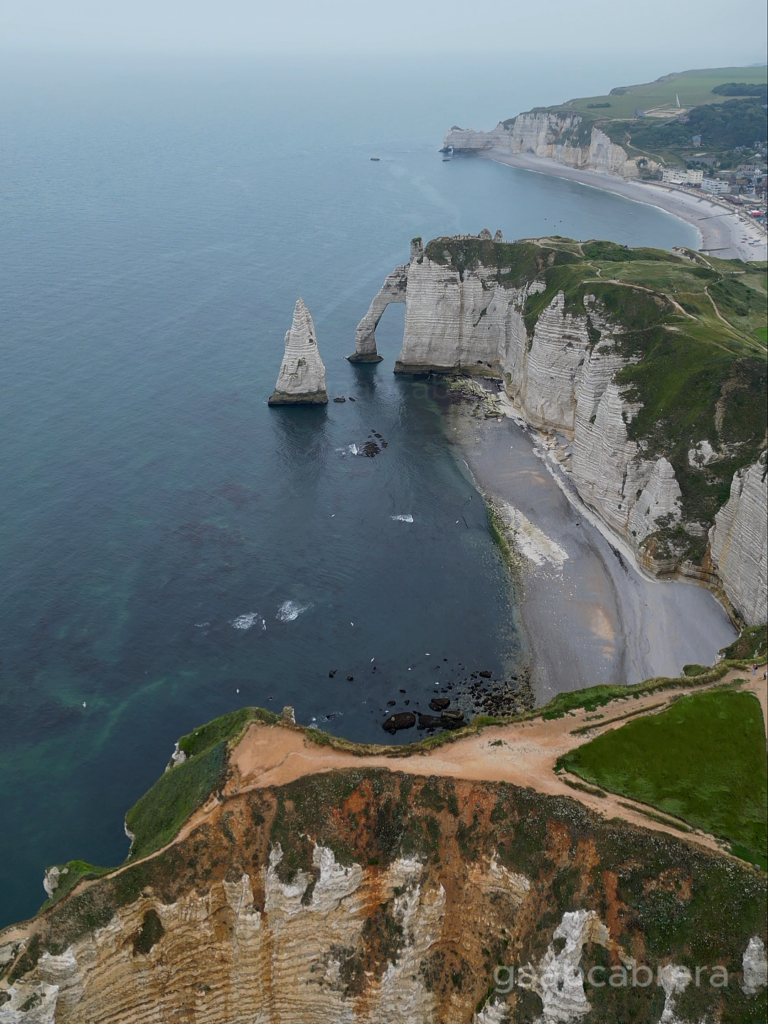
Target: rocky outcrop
738	543
467	315
558	136
301	380
393	290
370	897
755	966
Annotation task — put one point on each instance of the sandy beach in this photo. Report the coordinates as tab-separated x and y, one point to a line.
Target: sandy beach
589	615
724	232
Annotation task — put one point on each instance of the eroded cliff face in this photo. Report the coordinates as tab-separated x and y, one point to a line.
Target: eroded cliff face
738	542
557	136
367	896
562	370
301	380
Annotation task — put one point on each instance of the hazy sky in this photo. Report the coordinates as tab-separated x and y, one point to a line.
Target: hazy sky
693	32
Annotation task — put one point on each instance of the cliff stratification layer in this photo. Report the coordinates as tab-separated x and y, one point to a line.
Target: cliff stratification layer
564	137
643	364
301	380
369	896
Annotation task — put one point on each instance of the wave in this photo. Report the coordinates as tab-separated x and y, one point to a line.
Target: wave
249	620
405	518
290	610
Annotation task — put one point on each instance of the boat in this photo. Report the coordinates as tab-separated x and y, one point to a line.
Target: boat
375	159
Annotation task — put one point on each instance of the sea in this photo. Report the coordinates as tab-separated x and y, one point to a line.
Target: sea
171	547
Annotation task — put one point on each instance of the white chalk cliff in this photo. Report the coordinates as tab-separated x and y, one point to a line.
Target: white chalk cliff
738	542
301	380
561	380
552	135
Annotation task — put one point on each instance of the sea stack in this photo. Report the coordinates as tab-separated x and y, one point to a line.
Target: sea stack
301	380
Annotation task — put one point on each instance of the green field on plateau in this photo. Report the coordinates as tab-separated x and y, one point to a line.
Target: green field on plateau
703	760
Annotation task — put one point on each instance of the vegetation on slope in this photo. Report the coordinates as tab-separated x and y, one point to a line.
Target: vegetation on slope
752	643
156	818
692	87
660	895
702	760
693	332
723	106
70	874
722	127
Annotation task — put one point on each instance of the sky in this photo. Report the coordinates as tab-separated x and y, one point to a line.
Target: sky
695	33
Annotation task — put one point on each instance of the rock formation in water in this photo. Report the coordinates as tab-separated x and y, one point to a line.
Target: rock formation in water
560	136
368	896
565	341
301	380
393	290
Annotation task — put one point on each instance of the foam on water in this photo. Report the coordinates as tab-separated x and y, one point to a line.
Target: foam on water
290	610
248	620
406	518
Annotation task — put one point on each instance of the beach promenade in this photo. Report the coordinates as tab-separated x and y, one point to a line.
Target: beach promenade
724	231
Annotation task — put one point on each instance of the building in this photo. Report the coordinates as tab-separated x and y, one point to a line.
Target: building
678	176
696	140
715	186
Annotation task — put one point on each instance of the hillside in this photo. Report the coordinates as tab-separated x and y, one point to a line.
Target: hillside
649	365
313	881
693	88
691	118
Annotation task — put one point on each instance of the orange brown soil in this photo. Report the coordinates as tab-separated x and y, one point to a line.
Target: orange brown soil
522	754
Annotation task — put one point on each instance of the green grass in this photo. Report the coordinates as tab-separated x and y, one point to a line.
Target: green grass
703	760
693	88
724	120
752	643
70	874
156	818
691	332
588	699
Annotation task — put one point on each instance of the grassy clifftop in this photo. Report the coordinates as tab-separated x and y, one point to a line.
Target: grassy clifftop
692	330
703	760
724	106
692	87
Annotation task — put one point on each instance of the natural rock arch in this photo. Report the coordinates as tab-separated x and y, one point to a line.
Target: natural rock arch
393	290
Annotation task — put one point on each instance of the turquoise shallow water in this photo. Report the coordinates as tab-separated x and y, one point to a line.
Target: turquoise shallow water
158	224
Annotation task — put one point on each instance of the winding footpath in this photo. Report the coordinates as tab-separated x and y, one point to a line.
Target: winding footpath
521	753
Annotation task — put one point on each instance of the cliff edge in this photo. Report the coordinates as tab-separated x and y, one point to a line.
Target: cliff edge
288	878
647	367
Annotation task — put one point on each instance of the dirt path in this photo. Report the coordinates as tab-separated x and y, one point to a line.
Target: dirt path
522	753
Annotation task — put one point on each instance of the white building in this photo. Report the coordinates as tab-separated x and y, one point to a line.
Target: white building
676	176
715	186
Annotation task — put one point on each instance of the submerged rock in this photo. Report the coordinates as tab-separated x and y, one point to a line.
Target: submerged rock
430	721
301	380
439	703
453	718
401	720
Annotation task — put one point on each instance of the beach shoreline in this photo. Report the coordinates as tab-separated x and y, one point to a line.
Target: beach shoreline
722	229
589	614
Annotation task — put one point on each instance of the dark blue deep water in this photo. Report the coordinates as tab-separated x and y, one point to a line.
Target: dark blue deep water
157	224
